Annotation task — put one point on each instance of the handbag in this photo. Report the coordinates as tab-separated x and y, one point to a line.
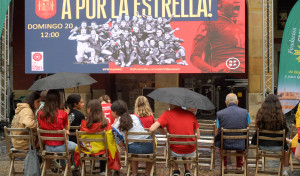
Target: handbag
31	162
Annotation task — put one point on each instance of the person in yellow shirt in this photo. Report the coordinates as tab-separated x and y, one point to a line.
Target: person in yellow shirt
295	147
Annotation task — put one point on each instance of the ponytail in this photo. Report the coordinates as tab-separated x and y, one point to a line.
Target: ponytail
120	108
126	122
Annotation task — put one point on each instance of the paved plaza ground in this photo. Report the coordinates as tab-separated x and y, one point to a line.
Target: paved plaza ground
161	169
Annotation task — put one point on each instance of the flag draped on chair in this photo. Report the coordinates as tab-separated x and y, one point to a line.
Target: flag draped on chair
4	4
97	148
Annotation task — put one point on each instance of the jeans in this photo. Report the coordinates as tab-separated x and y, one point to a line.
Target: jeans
271	148
62	148
140	148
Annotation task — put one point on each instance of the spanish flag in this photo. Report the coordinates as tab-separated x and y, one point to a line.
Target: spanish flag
295	139
97	148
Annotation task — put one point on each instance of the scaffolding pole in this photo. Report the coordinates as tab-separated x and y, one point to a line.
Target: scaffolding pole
268	48
4	68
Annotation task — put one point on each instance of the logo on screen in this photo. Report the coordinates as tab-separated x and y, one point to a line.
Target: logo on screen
37	56
45	8
37	61
233	63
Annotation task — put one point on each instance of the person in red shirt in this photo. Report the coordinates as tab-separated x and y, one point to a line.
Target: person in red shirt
219	46
51	117
181	122
106	104
143	110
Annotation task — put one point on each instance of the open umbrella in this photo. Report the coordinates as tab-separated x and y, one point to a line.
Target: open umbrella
182	97
62	80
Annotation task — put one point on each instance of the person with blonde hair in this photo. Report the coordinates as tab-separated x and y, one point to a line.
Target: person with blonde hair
143	110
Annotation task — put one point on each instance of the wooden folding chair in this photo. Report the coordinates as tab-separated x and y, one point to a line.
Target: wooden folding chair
140	157
191	160
251	159
13	153
262	135
234	134
207	141
295	164
100	137
48	156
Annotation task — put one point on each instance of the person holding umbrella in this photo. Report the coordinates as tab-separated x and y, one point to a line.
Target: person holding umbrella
174	119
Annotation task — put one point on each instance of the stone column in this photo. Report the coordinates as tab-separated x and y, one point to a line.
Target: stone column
164	80
255	60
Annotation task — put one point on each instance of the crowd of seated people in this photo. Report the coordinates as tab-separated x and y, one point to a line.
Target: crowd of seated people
115	120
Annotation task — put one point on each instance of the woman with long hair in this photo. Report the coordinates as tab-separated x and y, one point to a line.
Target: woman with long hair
270	117
75	103
126	122
24	118
106	104
51	117
96	122
143	110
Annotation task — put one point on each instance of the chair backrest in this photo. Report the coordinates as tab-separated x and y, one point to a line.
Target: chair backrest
42	138
10	134
127	140
171	140
235	134
96	138
73	130
206	121
207	131
271	136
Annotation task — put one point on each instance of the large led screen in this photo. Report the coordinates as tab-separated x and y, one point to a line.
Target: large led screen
135	36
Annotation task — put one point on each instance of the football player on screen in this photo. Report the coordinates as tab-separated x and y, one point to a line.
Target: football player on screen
219	46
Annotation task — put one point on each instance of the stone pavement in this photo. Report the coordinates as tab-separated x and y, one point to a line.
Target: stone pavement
161	169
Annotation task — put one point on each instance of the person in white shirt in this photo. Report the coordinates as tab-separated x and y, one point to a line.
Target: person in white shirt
126	122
